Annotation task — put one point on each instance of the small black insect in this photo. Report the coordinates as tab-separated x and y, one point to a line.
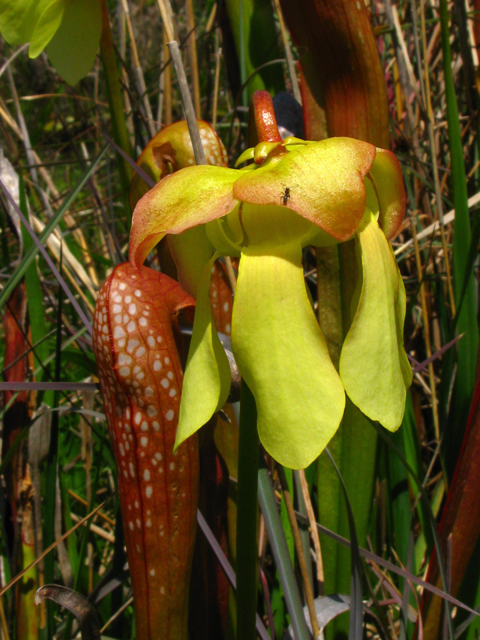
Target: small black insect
286	196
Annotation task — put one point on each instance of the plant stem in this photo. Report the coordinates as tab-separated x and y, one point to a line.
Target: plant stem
299	548
247	517
115	103
276	536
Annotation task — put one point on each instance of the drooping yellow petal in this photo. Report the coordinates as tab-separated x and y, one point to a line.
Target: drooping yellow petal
283	356
321	181
373	365
206	384
184	199
386	174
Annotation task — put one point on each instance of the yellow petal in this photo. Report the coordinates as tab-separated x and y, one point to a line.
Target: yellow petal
283	356
373	365
322	181
386	173
182	200
206	384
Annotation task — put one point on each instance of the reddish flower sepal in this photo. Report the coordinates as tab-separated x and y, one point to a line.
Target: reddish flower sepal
140	378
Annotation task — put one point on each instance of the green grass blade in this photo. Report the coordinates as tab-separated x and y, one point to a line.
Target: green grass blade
247	517
387	439
355	631
284	517
413	456
30	255
284	565
36	310
467	321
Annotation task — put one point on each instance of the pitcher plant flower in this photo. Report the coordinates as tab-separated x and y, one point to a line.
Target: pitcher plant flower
295	193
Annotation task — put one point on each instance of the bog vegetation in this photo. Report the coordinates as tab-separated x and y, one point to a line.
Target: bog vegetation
378	535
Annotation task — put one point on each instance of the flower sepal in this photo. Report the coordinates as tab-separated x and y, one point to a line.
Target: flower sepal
373	364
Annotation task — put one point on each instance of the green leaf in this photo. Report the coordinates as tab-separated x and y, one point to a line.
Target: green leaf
206	384
53	222
278	345
373	364
467	347
83	360
256	42
357	462
354	450
36	309
73	48
47	24
18	19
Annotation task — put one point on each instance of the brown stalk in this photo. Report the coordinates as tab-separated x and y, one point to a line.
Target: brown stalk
101	515
192	56
116	614
426	328
3	620
167	83
292	73
218	57
299	549
122	52
109	537
314	532
38	559
142	89
433	152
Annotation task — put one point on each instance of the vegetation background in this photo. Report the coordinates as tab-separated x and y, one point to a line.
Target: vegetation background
68	180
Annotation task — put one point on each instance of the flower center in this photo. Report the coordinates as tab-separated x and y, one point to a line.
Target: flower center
265	225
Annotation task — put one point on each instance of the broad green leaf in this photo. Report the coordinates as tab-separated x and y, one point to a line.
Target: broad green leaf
206	384
413	455
18	19
184	199
278	346
46	26
357	462
354	449
256	42
73	48
373	364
